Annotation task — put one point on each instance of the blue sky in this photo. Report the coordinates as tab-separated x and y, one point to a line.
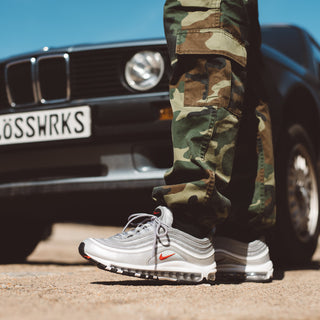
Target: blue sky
28	25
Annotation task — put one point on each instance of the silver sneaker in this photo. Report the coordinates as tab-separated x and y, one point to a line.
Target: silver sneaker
239	261
153	250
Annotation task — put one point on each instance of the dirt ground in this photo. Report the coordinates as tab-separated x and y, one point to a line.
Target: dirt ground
56	283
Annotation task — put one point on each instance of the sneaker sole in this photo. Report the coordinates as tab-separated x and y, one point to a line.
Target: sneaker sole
179	276
256	273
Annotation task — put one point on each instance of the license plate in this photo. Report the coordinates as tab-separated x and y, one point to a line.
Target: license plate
45	125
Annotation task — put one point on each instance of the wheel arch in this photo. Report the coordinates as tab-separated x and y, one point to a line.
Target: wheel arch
300	107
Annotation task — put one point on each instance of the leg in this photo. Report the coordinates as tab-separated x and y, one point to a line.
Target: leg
208	41
213	92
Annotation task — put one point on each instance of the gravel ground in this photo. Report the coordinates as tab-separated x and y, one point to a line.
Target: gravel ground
56	283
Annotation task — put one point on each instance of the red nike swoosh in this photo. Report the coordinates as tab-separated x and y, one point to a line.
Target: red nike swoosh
161	257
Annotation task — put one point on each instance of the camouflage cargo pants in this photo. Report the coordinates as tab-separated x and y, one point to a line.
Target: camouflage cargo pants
223	156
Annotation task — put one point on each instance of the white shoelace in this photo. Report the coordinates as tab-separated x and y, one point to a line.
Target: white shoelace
150	219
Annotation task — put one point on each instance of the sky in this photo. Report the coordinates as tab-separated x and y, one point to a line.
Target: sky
28	25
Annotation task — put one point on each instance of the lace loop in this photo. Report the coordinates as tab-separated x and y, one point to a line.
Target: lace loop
150	219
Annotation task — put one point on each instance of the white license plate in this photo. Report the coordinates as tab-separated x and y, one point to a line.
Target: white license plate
46	125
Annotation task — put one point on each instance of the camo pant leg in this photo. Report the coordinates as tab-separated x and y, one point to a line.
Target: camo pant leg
262	210
207	41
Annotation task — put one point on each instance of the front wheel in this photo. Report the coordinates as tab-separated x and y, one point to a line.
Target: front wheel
19	238
297	227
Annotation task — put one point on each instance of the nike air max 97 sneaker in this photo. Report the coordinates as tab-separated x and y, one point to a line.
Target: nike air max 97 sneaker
153	250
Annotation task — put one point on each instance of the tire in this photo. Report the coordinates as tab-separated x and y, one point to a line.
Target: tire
19	240
296	232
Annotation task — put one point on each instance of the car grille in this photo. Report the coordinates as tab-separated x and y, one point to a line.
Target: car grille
77	75
53	78
94	74
19	77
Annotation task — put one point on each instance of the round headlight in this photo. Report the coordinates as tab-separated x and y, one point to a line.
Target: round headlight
144	70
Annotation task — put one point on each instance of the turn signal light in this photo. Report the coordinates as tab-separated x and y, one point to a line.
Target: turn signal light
166	114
